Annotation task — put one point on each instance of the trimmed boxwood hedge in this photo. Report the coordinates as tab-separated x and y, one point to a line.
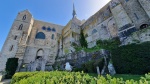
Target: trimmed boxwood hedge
62	77
132	59
23	75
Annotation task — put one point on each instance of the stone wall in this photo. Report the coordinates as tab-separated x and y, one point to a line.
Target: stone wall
102	31
138	37
78	58
118	18
145	4
135	12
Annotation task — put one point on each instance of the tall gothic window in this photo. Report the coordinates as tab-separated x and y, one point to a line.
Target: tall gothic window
15	37
20	27
52	36
24	17
40	35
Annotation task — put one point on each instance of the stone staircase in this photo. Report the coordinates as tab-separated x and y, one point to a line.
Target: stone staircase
20	54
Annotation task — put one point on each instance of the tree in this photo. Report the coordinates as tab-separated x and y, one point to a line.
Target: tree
83	41
11	66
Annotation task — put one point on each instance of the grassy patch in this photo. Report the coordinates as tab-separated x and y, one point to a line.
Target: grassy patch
94	49
128	77
124	76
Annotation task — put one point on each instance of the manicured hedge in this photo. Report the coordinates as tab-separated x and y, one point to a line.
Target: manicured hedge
132	59
11	66
58	77
23	75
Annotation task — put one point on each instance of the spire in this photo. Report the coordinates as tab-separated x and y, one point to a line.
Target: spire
74	11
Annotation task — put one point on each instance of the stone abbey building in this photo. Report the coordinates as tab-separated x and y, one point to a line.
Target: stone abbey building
30	39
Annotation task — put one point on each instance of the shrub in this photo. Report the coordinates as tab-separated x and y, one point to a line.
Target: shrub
11	66
132	59
90	66
78	69
57	77
22	75
82	40
108	44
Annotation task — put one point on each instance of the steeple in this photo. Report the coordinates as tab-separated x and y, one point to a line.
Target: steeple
74	11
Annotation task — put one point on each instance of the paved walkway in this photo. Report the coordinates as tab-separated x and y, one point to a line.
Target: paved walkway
6	81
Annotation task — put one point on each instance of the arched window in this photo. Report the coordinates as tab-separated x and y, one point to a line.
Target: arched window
48	29
53	30
52	36
94	31
40	35
20	27
44	28
24	17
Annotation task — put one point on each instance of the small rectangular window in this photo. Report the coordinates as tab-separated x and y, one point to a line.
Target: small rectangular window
15	37
126	0
11	48
136	16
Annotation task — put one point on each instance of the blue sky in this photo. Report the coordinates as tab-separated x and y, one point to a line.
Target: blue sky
54	11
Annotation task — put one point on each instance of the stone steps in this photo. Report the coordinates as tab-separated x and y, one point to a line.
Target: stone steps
22	70
20	54
6	81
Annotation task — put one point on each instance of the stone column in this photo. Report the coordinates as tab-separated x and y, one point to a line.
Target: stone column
98	71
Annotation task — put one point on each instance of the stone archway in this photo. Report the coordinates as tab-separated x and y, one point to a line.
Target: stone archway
39	54
143	26
40	62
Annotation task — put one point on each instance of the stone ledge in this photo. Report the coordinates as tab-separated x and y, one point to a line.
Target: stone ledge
7	81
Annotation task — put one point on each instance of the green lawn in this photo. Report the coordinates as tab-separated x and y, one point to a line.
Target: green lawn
124	76
128	76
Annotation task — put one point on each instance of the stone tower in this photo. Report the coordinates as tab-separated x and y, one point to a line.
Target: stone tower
15	43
